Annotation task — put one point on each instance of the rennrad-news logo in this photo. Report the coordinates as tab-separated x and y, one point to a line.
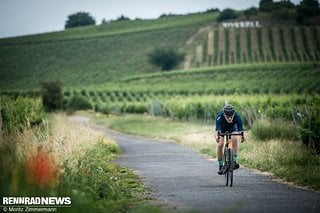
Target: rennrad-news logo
42	201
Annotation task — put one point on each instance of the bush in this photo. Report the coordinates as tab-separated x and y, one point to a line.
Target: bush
266	5
227	14
308	121
252	11
308	8
284	13
166	59
264	129
21	112
78	103
123	18
139	108
52	96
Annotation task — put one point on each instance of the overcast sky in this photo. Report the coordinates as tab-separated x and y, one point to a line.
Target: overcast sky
23	17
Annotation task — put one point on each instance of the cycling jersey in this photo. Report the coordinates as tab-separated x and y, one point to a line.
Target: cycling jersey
222	124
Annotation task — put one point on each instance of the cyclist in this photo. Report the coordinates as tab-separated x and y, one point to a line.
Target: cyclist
228	120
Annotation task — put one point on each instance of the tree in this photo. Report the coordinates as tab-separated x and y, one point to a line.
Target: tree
166	59
284	4
79	19
52	95
123	18
252	11
227	14
266	5
308	8
310	3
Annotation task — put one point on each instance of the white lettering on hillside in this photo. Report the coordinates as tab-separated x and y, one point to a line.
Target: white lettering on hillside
241	24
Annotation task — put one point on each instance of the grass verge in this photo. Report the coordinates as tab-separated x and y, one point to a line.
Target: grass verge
285	159
197	136
61	158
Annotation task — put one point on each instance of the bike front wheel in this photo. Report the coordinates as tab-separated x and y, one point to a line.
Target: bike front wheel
231	168
228	167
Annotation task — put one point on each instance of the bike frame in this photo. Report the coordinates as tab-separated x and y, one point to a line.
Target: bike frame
228	163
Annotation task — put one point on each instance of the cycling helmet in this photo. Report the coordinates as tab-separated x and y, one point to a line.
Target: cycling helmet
228	110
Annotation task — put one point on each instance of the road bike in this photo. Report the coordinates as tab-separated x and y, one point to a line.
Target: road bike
228	163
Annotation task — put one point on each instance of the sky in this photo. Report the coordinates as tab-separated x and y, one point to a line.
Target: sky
25	17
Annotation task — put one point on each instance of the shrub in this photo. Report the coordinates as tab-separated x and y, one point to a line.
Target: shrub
78	103
308	122
166	59
266	5
252	11
284	13
135	108
227	14
52	96
123	18
21	112
264	129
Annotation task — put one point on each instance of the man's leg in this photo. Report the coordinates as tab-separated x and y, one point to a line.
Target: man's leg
219	149
235	149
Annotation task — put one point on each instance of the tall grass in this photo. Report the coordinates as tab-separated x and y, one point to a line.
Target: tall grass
287	160
61	158
267	129
18	113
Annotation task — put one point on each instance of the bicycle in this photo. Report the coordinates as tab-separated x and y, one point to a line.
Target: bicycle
228	163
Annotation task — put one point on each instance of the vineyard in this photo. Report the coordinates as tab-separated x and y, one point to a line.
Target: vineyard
92	55
199	94
109	52
264	70
224	46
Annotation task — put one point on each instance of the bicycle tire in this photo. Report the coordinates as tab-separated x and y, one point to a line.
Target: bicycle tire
226	165
231	167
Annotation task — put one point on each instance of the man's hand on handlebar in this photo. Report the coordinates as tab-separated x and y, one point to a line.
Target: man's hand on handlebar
218	135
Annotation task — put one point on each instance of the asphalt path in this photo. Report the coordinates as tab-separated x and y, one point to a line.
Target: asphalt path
182	180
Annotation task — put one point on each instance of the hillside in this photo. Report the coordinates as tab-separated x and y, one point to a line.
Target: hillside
107	53
92	55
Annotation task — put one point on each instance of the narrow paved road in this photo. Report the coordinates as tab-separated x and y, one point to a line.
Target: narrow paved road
182	179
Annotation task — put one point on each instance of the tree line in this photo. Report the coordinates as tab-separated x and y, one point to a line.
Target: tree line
284	9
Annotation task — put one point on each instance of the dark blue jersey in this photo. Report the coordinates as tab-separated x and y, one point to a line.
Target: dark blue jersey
222	124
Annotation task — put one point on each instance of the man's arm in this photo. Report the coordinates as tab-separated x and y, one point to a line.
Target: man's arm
218	127
240	127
